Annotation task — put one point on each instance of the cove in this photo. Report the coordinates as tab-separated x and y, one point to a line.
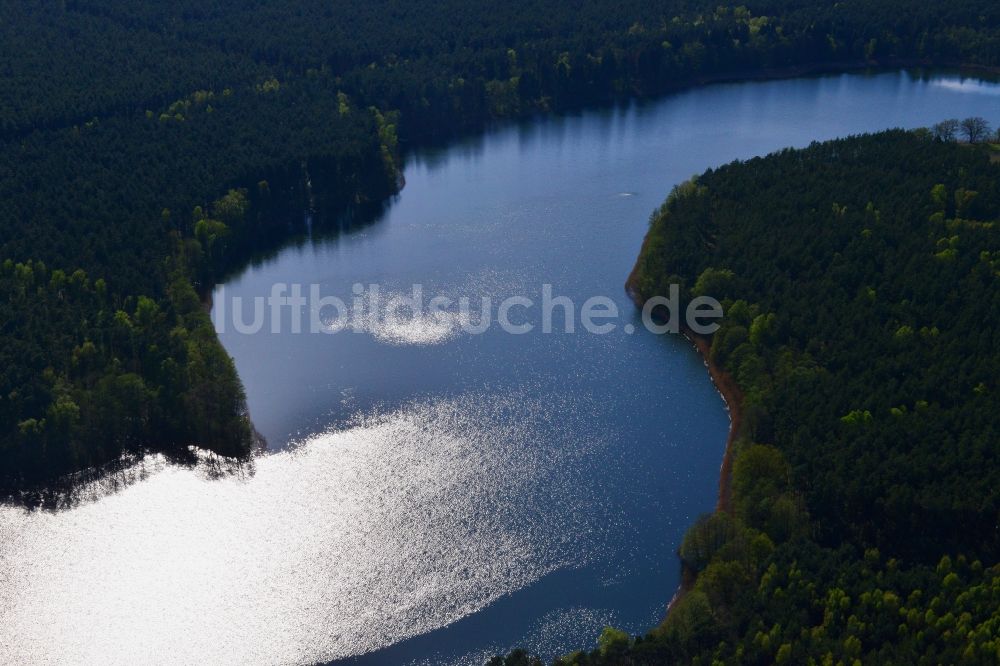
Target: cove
431	496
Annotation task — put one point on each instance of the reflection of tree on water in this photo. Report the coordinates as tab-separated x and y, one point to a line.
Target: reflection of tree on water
91	485
297	224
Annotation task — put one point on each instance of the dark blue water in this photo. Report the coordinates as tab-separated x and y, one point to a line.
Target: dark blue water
561	201
431	495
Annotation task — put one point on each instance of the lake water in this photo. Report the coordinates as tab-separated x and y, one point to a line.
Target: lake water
431	495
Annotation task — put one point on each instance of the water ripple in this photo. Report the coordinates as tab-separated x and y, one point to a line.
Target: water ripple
350	541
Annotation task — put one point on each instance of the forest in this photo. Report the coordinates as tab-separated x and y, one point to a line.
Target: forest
148	148
144	145
861	284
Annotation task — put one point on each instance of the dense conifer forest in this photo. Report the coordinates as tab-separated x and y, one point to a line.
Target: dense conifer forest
861	284
147	148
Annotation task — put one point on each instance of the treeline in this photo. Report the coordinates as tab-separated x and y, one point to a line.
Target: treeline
450	64
861	284
118	118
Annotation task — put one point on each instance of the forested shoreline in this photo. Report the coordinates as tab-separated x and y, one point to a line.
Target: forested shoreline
146	149
124	125
861	286
122	121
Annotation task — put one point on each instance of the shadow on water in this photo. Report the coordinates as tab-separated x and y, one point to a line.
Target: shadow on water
94	484
470	142
303	228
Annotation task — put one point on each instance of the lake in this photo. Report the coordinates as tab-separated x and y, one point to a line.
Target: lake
431	494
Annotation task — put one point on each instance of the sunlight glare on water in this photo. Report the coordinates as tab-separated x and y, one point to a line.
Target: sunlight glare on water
355	539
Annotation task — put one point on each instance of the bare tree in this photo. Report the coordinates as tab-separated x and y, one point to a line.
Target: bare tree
946	130
975	129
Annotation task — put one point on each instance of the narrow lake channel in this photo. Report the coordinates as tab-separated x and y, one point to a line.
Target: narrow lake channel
431	495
